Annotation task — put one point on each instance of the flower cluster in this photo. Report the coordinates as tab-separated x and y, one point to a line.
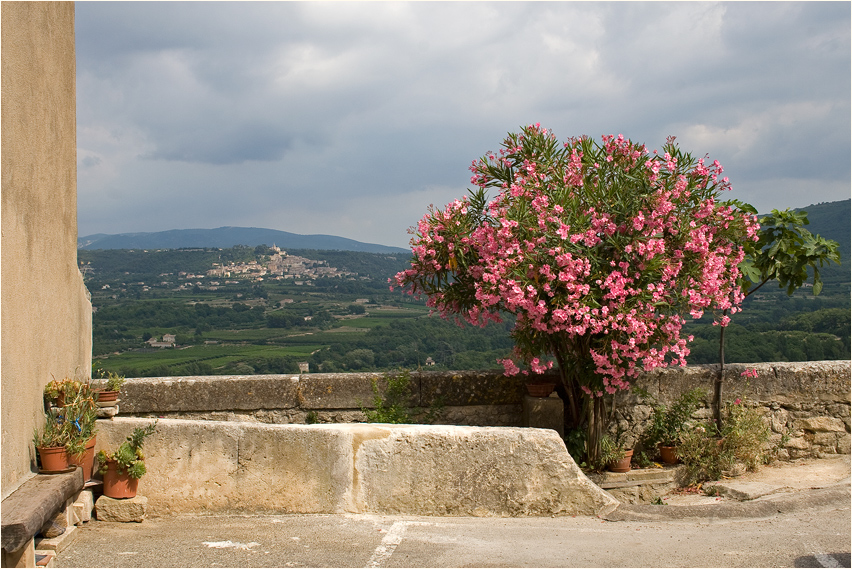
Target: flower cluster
596	248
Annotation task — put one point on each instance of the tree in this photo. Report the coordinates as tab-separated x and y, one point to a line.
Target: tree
784	251
596	248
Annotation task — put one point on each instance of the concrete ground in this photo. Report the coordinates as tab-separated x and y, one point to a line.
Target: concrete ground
798	515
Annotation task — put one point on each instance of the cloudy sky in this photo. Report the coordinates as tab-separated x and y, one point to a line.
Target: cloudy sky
351	118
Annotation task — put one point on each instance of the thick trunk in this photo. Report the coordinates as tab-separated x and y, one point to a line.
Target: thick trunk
596	426
570	384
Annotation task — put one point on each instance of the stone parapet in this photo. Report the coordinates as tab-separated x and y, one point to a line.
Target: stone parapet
807	404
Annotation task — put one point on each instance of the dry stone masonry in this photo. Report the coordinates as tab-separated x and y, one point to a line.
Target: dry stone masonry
807	404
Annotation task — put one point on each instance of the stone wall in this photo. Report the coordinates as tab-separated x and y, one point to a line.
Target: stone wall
806	403
47	315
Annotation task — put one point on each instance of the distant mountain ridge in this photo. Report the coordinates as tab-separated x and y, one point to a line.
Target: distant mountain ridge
225	237
830	219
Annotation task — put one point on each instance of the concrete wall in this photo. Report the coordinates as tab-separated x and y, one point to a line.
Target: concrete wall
46	312
808	402
216	466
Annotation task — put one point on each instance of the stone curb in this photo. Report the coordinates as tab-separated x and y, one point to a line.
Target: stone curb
836	494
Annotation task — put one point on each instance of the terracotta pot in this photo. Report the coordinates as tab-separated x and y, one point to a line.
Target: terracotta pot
540	389
85	460
119	485
53	459
106	396
669	455
622	465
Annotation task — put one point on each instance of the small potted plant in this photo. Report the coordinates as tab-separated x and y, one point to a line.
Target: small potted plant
123	468
669	423
613	454
57	391
109	394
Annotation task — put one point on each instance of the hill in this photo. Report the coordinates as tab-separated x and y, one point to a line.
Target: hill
832	221
225	237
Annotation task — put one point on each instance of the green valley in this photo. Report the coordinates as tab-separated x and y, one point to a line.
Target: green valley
248	310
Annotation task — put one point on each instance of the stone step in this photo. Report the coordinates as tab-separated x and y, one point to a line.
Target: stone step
743	491
635	477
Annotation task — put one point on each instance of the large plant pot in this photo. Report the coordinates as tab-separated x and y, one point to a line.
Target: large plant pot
53	459
668	454
118	485
540	388
86	460
622	465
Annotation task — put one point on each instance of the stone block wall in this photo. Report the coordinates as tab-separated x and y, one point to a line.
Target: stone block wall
808	404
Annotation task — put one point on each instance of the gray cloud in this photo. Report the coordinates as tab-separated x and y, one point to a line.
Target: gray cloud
328	117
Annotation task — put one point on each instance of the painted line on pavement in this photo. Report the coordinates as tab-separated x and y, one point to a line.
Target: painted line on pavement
392	539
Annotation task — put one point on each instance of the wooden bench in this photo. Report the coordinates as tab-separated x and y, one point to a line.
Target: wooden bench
28	508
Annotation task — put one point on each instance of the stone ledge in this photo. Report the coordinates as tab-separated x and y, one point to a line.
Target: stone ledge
208	466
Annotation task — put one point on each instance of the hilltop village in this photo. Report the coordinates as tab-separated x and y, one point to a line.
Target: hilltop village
280	265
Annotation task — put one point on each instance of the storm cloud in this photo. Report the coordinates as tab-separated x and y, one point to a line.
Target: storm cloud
350	118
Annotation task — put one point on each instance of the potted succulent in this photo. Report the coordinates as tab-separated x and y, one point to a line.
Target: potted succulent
58	390
669	423
123	468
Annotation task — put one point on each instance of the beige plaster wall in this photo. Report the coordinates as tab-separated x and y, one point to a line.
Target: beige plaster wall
46	311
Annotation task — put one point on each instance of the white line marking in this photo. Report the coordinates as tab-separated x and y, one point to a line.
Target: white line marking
826	560
229	543
388	545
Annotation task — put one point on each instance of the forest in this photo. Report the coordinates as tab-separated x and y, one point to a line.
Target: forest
250	324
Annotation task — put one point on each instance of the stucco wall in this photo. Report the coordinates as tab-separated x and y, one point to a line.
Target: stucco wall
46	311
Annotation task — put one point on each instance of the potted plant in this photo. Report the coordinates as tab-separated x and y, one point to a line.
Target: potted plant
58	390
540	388
109	394
613	454
80	415
123	468
669	423
68	437
50	444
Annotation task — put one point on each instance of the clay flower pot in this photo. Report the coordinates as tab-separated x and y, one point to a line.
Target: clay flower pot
540	389
119	485
85	460
53	459
622	465
107	396
668	454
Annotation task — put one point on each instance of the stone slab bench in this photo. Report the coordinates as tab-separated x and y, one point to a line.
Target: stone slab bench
29	507
438	470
